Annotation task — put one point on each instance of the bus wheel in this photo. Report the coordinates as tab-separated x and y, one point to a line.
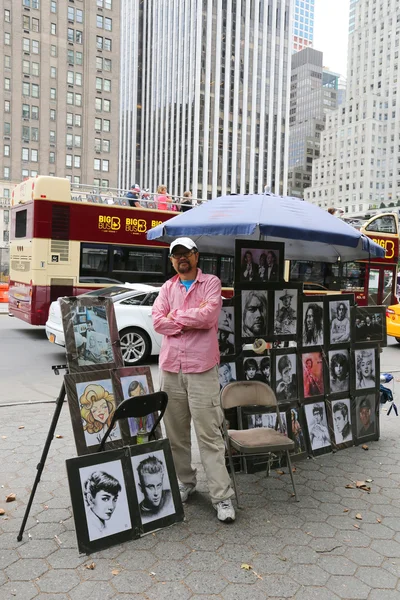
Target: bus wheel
135	345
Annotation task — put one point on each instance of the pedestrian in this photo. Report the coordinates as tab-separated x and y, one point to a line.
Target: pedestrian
186	313
134	196
186	203
162	198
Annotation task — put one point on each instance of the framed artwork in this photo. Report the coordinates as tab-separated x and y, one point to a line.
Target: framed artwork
285	377
226	329
365	369
312	321
338	321
101	487
256	368
312	371
252	318
341	422
226	373
156	485
297	431
367	417
131	382
369	324
252	419
339	371
258	262
286	303
317	428
91	333
92	403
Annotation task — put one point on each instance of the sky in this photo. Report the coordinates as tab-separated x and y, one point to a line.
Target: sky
330	33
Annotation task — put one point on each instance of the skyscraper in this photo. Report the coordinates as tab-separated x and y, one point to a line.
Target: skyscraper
360	150
203	95
59	87
313	91
303	24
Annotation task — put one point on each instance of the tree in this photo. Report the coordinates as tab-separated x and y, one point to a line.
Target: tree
382	205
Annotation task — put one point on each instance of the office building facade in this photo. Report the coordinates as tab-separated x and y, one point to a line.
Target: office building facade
303	24
59	88
360	151
206	108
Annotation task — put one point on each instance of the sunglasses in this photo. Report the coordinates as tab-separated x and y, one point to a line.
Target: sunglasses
177	255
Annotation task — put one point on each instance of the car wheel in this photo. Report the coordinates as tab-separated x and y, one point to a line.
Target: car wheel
397	340
135	346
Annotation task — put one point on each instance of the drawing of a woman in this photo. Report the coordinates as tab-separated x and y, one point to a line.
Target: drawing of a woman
97	410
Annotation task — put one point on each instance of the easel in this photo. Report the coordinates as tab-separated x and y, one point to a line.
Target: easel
50	436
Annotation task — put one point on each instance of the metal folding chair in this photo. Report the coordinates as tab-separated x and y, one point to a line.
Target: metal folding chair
258	441
139	406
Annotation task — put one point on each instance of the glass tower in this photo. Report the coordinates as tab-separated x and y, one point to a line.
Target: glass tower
303	24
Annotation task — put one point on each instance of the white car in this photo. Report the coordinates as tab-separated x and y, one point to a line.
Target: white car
132	304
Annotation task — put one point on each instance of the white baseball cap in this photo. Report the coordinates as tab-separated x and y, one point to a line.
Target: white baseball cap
183	241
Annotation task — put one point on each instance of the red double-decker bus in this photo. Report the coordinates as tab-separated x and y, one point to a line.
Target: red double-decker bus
64	247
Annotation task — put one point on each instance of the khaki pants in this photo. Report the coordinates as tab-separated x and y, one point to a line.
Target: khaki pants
196	396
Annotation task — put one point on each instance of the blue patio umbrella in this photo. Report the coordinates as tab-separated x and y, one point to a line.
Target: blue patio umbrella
309	233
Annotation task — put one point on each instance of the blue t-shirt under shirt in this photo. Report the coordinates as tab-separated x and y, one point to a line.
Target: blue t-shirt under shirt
187	284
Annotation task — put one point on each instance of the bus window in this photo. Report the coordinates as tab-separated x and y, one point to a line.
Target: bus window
20	223
373	287
353	276
138	261
227	271
387	287
384	224
93	258
208	264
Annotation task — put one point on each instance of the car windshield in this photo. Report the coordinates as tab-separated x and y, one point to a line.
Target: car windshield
111	291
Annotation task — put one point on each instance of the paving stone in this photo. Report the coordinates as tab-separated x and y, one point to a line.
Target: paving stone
393	566
37	548
304	555
280	586
261	544
54	515
377	578
377	531
384	595
203	542
348	587
18	590
51	597
236	552
315	593
135	582
207	583
310	575
171	589
171	570
95	590
204	561
7	557
319	529
387	548
265	564
136	559
337	565
175	533
65	557
233	573
174	550
353	538
101	572
26	569
59	580
392	523
46	531
236	591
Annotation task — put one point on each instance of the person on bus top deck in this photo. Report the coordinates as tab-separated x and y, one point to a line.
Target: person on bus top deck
162	197
186	313
134	196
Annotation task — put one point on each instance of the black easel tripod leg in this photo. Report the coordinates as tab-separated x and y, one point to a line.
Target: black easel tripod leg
40	466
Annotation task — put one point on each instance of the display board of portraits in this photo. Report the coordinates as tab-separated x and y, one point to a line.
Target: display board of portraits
93	398
270	312
258	262
121	494
316	419
226	329
369	325
338	329
91	333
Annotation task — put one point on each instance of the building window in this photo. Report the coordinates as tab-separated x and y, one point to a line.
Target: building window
107	24
26	133
52	136
107	105
7	84
97	144
26	22
7	39
70	77
34	155
78	37
7	62
70	98
106	125
7	15
53	50
105	183
79	15
78	120
106	145
97	164
35	47
6	173
35	69
78	99
53	72
35	90
71	13
53	29
34	134
107	85
70	34
78	79
77	162
70	57
7	106
53	6
52	157
34	112
107	44
99	42
6	150
77	141
99	63
25	154
77	179
79	58
26	89
35	25
107	64
70	118
106	164
68	161
26	67
97	124
99	84
52	114
68	140
98	104
26	44
99	21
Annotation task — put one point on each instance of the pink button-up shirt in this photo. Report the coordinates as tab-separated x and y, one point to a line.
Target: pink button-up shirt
190	339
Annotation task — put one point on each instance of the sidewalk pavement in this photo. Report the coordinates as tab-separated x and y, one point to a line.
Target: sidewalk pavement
314	549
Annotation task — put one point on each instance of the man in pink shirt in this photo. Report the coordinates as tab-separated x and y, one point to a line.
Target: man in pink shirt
186	314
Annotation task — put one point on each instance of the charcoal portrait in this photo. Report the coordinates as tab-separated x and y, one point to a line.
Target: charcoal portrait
339	371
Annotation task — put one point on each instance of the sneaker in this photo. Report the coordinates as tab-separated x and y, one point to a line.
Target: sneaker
225	511
186	490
